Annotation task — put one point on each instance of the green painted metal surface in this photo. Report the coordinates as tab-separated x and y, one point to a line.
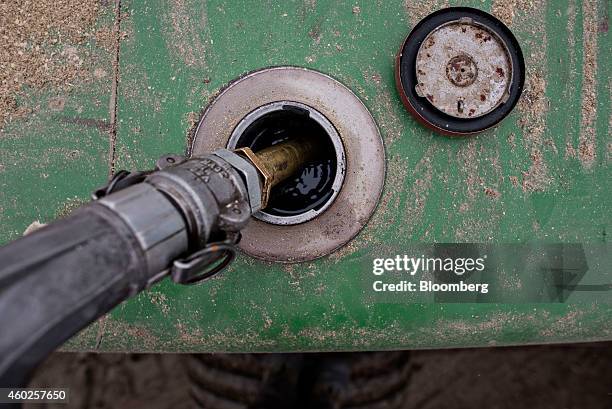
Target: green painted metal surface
542	175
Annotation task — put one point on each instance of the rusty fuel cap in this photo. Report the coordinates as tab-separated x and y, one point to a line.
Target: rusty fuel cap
460	71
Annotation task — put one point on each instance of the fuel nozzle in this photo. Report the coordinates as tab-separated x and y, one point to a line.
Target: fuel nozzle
182	220
279	162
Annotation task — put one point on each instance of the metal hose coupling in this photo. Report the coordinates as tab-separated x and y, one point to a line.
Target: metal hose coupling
187	214
199	205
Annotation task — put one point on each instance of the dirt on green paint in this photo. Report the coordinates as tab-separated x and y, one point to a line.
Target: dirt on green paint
69	206
41	47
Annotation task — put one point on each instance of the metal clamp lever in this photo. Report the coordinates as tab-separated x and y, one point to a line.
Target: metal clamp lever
211	259
124	178
120	180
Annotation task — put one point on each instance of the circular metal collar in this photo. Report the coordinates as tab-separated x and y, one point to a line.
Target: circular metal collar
363	147
335	140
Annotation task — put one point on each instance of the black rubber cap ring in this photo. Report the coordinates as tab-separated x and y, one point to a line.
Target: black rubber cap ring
421	108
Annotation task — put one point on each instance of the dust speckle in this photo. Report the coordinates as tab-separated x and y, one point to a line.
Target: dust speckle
382	105
534	104
100	73
187	22
160	300
40	46
418	10
419	192
587	140
69	206
504	10
536	178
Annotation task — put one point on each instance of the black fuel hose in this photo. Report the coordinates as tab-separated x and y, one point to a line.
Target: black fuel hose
57	280
144	226
60	278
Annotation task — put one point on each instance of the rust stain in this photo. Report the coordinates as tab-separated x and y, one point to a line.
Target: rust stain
493	325
100	332
192	122
113	101
160	299
536	178
315	33
604	25
57	104
311	5
218	340
475	331
492	193
106	38
307	7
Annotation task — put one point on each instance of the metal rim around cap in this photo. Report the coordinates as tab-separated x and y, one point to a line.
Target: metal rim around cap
419	105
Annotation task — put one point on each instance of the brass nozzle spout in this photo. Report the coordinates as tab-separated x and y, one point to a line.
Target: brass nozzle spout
283	160
279	162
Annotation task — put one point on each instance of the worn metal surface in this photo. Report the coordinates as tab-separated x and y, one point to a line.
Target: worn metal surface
463	69
363	149
448	77
542	174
